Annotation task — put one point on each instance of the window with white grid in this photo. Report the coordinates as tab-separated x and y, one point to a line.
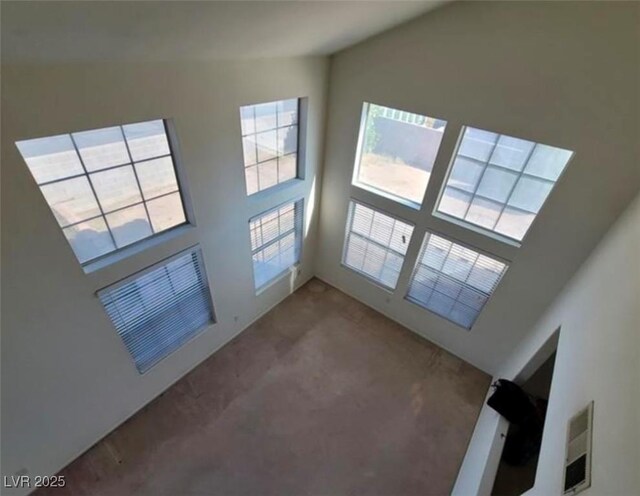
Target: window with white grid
270	143
276	242
110	187
159	309
453	281
375	244
499	183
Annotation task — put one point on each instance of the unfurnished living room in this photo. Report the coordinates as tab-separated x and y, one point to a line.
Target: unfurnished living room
320	248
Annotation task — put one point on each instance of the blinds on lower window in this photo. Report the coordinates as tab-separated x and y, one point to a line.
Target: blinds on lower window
453	281
276	241
159	309
375	244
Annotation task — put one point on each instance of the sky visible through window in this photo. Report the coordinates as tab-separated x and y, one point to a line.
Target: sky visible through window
107	187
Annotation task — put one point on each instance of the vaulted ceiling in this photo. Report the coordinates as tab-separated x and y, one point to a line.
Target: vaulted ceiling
160	31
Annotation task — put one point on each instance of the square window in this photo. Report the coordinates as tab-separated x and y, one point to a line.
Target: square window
108	188
276	242
270	143
375	244
461	287
158	310
499	183
396	152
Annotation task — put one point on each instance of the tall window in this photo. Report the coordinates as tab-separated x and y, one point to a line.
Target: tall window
396	152
453	281
270	143
499	183
375	244
276	241
159	309
108	188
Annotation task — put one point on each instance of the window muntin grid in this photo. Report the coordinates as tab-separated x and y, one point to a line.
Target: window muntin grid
453	281
499	183
270	143
108	188
396	152
276	241
375	244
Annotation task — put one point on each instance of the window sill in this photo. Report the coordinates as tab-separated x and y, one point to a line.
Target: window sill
289	183
283	275
135	248
369	279
388	196
477	229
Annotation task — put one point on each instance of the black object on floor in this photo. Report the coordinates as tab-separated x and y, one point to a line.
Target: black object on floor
526	416
510	401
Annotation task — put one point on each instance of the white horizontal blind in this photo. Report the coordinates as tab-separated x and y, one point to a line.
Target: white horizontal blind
160	309
453	281
276	241
375	244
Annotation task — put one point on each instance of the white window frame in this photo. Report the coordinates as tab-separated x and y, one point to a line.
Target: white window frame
348	232
392	114
479	229
303	103
197	250
418	263
117	254
299	238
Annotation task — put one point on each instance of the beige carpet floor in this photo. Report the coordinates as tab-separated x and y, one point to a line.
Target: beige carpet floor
321	396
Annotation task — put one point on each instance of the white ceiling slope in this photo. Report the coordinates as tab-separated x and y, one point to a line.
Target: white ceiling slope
52	31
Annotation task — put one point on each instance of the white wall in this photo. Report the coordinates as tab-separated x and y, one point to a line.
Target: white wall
67	379
561	73
598	358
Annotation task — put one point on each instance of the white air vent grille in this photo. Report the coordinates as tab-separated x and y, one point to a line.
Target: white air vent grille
577	469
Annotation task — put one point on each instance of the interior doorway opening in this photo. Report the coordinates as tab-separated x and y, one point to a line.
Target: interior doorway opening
516	473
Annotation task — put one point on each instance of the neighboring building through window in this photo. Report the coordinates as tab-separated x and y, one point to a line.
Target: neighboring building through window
375	244
276	241
499	183
453	281
270	143
108	187
159	309
396	152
